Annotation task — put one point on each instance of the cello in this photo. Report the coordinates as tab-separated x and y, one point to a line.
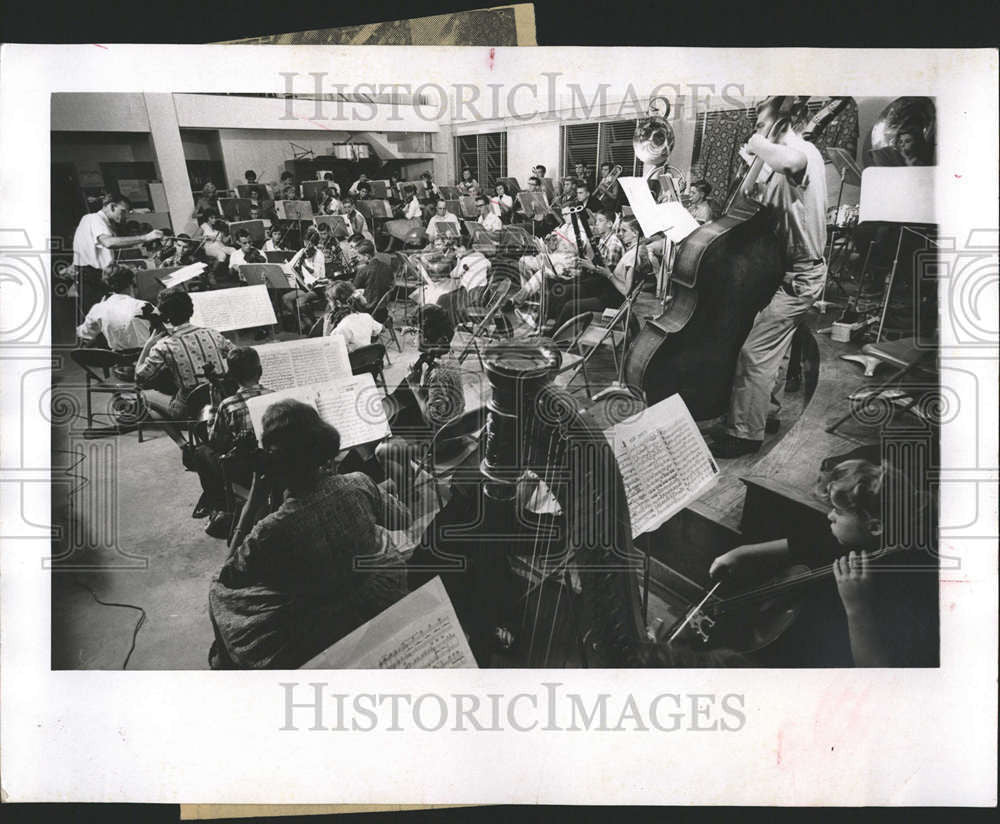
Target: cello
724	273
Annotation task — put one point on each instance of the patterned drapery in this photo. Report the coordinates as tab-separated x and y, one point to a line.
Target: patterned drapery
720	134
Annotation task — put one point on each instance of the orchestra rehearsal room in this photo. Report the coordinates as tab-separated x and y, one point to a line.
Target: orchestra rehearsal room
652	382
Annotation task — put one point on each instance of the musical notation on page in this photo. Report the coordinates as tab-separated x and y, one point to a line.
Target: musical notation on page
303	362
664	462
352	404
420	631
225	310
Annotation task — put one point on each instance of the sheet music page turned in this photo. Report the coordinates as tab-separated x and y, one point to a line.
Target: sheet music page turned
182	275
421	631
664	461
224	310
353	405
303	362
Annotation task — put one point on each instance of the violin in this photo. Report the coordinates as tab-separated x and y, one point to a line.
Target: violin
757	617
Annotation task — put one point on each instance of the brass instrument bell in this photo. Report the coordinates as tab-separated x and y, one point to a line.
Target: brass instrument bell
915	118
653	140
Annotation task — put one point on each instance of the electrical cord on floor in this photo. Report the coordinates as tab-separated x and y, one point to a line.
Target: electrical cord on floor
138	624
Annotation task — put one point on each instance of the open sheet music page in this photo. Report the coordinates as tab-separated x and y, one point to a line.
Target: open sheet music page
671	218
352	404
664	462
303	362
224	310
182	275
421	631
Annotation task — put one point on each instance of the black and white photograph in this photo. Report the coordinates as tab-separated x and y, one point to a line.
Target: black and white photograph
655	367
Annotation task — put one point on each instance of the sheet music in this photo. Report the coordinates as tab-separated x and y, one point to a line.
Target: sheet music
355	408
224	310
671	218
420	631
303	362
664	462
182	275
353	405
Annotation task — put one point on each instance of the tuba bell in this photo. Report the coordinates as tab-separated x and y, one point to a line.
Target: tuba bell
904	133
653	140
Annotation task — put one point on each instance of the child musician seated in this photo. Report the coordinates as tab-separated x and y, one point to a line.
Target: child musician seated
245	253
230	433
888	592
605	285
178	352
374	277
275	239
472	273
309	266
115	321
349	318
301	577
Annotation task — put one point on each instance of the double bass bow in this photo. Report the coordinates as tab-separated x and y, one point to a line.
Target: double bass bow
724	273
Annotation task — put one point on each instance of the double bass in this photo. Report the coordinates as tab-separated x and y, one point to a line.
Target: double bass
724	273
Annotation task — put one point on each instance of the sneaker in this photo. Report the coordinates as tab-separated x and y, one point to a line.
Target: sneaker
733	447
218	525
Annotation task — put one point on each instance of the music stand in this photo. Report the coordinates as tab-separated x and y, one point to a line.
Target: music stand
293	209
380	208
279	257
380	189
254	227
312	189
510	184
848	172
467	207
529	199
271	275
901	195
333	221
235	208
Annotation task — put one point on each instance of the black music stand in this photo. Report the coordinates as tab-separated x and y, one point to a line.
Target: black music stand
271	275
849	173
235	208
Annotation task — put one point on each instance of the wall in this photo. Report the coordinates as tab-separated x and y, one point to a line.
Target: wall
200	144
87	150
98	112
266	151
530	145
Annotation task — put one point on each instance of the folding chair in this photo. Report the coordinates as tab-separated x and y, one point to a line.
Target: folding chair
369	359
97	365
495	297
457	439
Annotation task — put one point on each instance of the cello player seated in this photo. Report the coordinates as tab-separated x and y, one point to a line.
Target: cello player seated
891	612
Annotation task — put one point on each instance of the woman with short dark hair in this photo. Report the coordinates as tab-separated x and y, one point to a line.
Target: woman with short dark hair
305	575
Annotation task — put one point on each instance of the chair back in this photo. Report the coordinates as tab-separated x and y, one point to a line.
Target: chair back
368	359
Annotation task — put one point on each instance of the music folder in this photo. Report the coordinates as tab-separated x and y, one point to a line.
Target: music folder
279	257
271	275
333	221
